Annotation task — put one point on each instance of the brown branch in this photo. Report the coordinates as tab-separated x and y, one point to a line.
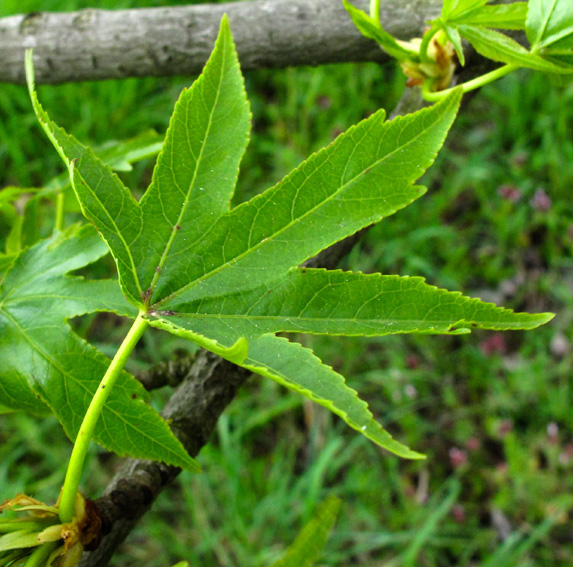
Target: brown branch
170	373
192	412
96	44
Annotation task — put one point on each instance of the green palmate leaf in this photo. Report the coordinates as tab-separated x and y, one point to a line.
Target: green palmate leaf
373	30
549	28
309	543
298	369
197	170
499	47
228	279
45	366
343	303
336	303
122	213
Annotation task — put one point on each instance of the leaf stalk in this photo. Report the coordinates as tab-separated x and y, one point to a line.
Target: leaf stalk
426	43
375	10
87	428
469	85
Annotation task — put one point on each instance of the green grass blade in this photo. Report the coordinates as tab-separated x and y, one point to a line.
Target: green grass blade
423	534
309	543
517	545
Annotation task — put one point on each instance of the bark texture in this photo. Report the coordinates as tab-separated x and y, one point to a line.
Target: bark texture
210	385
96	44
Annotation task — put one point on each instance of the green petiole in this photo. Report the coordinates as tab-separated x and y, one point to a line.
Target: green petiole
87	428
469	85
375	10
425	44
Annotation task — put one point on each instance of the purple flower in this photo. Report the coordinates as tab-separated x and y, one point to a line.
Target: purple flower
509	192
541	201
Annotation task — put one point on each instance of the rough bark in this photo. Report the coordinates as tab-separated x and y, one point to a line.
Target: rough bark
170	373
96	44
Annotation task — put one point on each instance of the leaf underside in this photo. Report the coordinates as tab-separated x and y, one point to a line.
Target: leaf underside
228	278
504	16
499	47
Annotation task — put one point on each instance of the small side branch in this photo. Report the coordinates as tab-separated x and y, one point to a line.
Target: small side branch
170	373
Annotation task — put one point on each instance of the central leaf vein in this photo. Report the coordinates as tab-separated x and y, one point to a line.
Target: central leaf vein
192	183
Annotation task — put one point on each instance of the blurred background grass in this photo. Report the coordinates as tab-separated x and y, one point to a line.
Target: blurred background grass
491	411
